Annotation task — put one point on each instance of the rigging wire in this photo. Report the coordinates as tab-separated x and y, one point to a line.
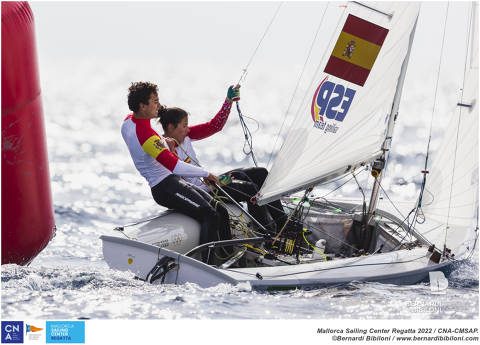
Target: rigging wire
242	227
294	217
425	171
245	70
338	187
298	83
246	131
409	226
458	129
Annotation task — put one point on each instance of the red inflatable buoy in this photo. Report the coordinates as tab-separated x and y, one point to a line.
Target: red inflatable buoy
27	213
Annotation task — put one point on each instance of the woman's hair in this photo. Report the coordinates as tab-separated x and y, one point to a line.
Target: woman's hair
172	116
139	92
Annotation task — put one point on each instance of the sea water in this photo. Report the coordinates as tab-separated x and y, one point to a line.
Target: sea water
96	188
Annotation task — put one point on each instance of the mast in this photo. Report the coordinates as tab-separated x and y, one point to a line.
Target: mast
379	165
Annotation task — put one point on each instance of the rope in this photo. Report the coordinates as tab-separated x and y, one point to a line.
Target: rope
313	247
299	205
242	226
248	136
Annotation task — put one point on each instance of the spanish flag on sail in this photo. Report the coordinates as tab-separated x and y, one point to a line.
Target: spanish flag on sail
356	50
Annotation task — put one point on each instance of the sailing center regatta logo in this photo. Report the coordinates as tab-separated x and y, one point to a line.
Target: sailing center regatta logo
330	105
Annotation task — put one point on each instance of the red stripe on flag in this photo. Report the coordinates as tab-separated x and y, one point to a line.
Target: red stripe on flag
365	30
346	71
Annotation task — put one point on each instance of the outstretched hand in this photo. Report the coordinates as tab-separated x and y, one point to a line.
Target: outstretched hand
211	179
233	93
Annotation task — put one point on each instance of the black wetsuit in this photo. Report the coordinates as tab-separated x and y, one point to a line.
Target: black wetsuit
175	193
245	185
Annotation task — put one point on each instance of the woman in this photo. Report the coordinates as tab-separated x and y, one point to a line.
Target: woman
242	184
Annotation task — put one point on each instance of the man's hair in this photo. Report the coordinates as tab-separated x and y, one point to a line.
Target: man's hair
172	116
139	92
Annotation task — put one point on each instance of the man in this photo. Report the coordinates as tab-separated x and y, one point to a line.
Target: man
162	169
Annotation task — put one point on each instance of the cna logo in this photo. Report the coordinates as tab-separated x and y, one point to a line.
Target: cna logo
330	105
12	332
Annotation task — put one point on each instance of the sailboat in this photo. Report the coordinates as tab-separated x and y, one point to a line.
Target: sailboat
346	123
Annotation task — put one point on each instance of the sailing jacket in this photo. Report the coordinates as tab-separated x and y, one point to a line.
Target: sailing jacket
151	155
199	132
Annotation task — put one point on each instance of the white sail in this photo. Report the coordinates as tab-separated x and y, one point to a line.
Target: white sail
343	124
450	201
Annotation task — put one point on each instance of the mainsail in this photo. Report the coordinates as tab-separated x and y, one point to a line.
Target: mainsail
343	125
450	202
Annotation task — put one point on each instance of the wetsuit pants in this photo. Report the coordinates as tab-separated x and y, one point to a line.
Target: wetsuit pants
247	183
175	193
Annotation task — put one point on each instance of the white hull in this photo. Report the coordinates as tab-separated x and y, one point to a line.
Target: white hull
171	235
171	230
174	231
400	267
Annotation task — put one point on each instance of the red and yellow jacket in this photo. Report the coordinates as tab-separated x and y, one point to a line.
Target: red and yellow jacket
151	155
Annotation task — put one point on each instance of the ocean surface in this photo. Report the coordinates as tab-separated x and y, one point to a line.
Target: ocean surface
96	188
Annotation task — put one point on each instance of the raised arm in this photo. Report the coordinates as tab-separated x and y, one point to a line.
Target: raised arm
216	124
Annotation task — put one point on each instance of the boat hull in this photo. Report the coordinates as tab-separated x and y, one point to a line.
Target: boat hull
171	230
174	230
402	267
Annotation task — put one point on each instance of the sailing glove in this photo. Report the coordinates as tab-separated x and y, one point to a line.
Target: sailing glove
233	93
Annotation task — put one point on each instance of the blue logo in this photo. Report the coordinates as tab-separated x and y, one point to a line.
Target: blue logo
12	332
62	332
330	102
